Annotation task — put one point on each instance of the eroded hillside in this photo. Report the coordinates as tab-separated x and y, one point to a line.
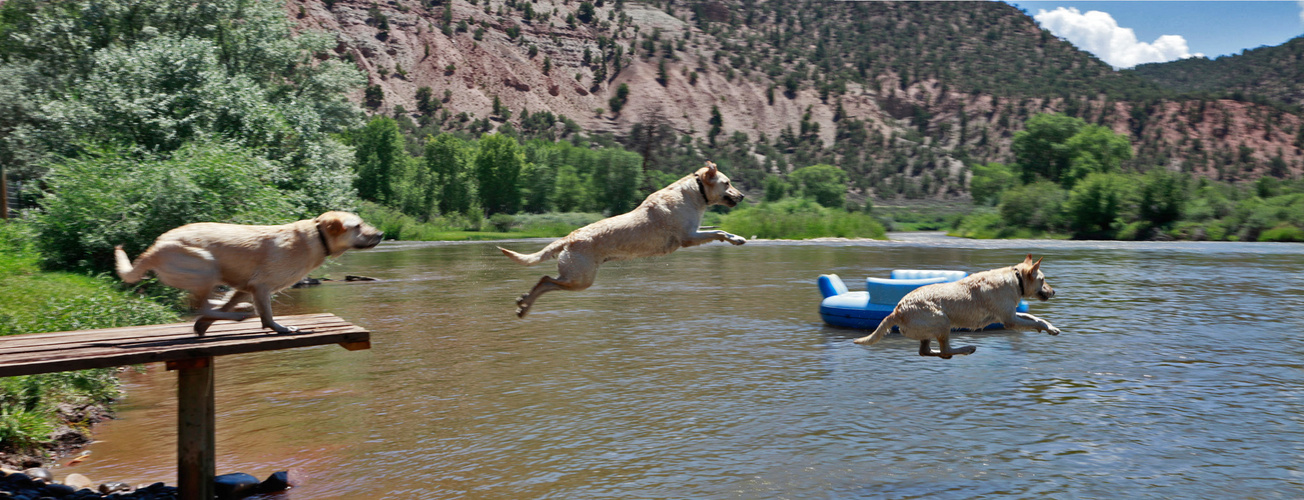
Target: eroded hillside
902	95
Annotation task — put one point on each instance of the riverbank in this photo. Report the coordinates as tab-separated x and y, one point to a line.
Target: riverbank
791	218
45	416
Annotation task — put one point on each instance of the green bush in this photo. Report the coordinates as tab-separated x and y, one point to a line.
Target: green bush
32	301
799	219
980	225
502	222
111	198
1096	203
1037	206
826	184
1284	232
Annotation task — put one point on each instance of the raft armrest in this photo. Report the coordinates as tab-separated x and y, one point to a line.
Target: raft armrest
830	285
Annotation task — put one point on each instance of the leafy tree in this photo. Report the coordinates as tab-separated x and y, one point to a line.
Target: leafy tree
570	192
615	179
374	96
1064	149
775	188
1095	149
446	157
382	163
826	184
585	13
1163	197
989	181
617	102
539	176
716	122
425	100
1039	147
497	171
159	74
1096	203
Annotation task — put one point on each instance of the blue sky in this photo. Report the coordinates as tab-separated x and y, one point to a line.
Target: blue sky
1167	30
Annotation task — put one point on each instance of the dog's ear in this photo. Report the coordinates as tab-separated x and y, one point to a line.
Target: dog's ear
332	225
1027	261
711	170
1036	265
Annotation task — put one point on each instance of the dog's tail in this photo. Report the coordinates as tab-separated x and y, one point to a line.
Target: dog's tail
548	252
132	273
880	332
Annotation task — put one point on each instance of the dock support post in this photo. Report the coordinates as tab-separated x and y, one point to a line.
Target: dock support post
196	428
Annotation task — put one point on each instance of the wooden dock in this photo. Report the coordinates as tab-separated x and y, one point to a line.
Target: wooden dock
192	356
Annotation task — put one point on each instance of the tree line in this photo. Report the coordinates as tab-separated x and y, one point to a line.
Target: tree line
1067	180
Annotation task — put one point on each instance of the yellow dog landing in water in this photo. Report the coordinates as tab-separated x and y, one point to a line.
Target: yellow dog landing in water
930	312
667	220
256	261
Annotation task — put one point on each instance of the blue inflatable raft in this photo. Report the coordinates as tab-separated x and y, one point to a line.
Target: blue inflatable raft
867	309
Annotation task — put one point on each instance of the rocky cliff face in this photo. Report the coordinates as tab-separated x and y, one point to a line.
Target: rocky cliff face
681	61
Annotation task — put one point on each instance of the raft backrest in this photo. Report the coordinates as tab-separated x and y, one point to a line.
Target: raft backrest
830	285
914	274
890	291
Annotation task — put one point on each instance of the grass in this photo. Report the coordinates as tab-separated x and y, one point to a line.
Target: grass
34	301
986	224
799	219
398	226
921	215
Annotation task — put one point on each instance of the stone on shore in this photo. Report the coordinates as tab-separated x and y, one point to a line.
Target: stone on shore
78	481
235	485
278	481
40	474
114	487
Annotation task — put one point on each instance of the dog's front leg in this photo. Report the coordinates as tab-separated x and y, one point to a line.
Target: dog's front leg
700	237
263	302
1025	321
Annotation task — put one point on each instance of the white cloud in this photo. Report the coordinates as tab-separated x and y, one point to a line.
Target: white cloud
1098	33
1301	11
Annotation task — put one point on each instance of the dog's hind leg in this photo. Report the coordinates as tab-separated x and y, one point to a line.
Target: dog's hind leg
237	297
944	343
575	273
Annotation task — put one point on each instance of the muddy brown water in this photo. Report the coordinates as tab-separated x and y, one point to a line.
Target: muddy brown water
708	374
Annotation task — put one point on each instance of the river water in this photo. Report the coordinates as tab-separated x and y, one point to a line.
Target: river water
708	374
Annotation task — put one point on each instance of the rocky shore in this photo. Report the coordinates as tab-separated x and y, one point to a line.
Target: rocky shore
39	484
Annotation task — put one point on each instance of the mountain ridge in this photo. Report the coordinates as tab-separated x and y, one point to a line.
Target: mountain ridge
905	97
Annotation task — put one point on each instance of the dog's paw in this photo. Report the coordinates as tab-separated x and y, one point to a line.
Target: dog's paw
522	311
282	329
735	239
967	350
1052	330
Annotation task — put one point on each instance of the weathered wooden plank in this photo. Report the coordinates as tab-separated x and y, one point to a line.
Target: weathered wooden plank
170	329
69	349
24	355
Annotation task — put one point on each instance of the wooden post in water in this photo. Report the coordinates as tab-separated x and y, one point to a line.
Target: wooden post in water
196	428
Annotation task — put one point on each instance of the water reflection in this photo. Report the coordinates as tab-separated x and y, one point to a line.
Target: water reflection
708	374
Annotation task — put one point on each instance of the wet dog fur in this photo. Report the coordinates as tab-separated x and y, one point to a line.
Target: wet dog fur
930	312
